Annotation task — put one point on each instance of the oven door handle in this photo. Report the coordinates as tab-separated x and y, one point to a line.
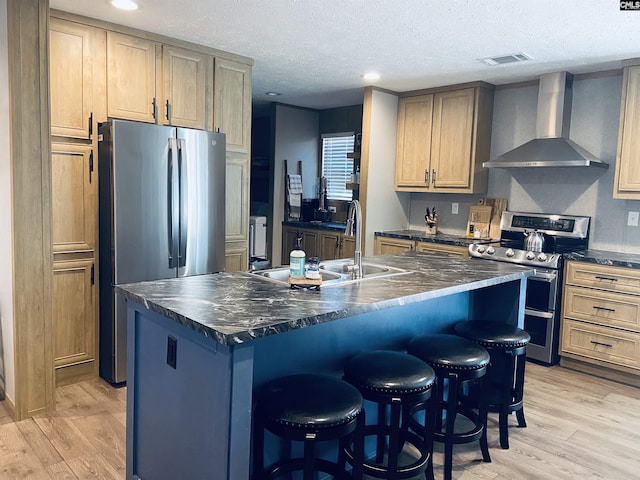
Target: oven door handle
547	277
538	313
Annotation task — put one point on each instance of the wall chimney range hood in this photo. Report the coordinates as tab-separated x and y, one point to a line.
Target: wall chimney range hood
551	147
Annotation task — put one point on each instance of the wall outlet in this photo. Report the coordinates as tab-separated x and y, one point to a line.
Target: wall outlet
454	208
632	219
332	209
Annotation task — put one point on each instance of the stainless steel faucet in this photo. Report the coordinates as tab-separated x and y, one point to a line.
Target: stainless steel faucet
354	219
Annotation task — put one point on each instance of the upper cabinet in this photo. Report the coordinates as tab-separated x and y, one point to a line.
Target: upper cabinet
443	138
232	103
131	78
184	81
627	176
70	78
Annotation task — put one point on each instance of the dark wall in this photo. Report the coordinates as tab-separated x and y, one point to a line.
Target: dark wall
260	160
341	119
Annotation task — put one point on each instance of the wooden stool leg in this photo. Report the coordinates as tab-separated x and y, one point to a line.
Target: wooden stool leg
519	389
394	438
380	441
451	412
483	411
309	459
258	447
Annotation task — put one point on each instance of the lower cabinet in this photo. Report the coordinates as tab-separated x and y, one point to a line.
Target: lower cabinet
324	244
601	320
387	245
237	212
453	250
74	321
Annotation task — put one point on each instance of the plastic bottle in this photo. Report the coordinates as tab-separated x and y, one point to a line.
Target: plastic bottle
297	261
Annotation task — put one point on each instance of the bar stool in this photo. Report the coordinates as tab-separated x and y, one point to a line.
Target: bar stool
309	408
455	361
400	381
507	346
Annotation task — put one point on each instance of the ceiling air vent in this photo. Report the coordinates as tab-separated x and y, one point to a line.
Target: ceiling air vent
503	59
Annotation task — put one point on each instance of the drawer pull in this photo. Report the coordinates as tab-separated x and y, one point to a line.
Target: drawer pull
601	344
608	279
604	308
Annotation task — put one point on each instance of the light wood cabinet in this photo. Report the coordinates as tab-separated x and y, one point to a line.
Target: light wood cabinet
453	250
627	173
236	257
330	245
74	321
131	78
601	319
70	78
232	104
73	198
443	138
237	210
184	81
387	245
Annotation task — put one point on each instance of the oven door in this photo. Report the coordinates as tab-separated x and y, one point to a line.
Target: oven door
542	290
541	316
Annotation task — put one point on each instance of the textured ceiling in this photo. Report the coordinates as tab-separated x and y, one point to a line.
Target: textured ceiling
315	51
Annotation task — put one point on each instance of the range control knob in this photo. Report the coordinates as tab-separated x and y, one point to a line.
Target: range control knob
491	250
542	257
480	249
530	255
509	253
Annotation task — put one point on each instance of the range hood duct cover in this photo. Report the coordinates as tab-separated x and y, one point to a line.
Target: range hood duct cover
551	147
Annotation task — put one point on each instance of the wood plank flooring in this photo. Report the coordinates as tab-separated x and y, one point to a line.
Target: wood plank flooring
579	427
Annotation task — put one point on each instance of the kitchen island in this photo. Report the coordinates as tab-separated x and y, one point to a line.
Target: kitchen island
199	346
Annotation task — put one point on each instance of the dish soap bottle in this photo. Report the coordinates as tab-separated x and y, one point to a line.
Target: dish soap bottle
297	261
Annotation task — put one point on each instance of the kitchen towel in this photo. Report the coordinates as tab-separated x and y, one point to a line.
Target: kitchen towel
294	195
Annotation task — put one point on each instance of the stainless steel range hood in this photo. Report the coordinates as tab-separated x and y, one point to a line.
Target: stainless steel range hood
551	147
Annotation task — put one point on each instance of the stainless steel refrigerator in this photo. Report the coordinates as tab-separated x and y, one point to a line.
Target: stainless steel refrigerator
161	209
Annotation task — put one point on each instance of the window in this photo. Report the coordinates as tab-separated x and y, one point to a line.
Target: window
336	167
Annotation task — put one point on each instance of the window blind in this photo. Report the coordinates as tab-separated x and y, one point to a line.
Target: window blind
336	167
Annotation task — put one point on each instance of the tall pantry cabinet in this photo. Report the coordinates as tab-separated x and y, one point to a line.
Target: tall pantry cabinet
100	70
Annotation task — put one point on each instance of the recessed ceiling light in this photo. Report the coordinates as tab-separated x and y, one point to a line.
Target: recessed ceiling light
125	4
371	76
504	59
273	94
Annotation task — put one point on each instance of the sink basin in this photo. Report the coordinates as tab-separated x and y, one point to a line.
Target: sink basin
335	272
368	269
282	274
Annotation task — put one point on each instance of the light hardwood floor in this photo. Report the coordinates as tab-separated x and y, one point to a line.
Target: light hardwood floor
579	427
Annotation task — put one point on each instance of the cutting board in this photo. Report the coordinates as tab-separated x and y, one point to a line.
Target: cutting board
479	221
499	205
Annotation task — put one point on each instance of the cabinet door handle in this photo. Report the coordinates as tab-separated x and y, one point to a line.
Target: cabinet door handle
167	114
604	308
601	344
433	177
426	176
154	107
608	279
90	125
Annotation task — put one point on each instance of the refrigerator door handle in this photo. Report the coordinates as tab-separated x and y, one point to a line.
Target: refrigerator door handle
172	203
182	181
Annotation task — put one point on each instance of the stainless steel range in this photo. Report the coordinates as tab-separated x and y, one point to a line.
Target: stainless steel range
539	240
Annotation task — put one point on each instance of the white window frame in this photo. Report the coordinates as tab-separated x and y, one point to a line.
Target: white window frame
341	166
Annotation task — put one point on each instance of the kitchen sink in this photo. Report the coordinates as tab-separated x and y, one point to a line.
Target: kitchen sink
282	274
336	272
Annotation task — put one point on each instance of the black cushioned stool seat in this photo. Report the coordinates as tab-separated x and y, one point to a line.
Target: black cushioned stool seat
455	360
400	381
309	408
506	345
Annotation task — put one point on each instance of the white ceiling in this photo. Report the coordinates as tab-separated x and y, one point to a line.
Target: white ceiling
315	51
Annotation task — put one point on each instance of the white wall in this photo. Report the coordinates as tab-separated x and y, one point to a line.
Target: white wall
577	191
386	209
7	379
296	138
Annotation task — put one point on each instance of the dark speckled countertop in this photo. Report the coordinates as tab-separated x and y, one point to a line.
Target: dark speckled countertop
238	307
316	225
602	257
421	236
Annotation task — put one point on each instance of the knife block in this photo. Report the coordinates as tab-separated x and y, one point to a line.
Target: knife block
431	230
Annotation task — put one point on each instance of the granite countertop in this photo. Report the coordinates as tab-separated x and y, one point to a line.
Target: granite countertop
237	307
603	257
421	236
316	225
